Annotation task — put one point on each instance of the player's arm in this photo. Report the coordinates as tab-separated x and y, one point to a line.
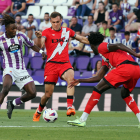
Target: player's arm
37	49
82	39
104	69
120	46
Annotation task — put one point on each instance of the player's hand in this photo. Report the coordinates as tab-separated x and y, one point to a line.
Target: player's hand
44	56
38	34
74	83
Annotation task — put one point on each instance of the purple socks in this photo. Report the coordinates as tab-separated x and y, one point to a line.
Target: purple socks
17	101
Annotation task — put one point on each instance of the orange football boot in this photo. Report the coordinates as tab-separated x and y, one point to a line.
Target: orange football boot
36	116
71	111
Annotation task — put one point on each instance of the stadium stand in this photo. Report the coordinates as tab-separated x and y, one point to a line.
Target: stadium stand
46	9
82	63
35	10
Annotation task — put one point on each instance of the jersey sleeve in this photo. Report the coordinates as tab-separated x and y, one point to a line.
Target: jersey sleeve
44	34
28	42
103	48
72	33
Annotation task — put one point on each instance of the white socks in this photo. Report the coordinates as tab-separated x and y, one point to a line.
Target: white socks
138	116
14	102
84	117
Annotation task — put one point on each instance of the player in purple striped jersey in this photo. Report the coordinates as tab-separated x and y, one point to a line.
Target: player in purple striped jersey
11	43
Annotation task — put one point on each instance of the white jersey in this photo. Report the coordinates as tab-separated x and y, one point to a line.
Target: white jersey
112	41
12	50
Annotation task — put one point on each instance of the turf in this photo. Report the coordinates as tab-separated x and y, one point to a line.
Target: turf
100	126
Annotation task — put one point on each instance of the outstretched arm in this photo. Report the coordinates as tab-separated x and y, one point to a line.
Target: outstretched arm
82	39
114	47
94	79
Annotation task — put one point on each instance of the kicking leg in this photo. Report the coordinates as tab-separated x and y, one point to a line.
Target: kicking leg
49	88
93	100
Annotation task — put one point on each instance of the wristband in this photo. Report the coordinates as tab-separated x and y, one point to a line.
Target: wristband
41	51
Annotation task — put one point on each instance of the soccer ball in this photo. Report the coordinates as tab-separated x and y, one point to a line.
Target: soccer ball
50	115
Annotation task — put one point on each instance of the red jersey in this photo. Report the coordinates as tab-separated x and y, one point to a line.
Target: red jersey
112	58
57	43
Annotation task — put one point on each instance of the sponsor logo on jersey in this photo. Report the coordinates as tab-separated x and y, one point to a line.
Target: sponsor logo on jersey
14	48
53	34
18	37
25	77
59	40
4	41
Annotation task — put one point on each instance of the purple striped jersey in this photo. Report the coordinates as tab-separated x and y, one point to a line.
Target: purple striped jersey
12	50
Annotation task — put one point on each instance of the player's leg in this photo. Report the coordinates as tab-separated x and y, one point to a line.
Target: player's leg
7	83
68	76
93	100
49	88
125	94
30	94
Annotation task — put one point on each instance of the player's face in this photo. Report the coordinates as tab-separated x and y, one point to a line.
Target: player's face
95	49
11	30
56	23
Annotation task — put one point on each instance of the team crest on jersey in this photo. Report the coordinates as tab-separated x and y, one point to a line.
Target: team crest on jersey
18	37
14	48
63	34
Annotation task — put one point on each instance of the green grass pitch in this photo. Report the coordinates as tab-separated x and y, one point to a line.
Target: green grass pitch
100	126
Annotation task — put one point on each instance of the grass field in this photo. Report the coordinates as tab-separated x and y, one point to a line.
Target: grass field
100	126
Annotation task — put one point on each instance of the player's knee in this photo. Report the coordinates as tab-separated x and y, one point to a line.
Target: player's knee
48	94
125	93
32	94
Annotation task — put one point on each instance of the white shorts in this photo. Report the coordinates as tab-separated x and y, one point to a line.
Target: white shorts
19	76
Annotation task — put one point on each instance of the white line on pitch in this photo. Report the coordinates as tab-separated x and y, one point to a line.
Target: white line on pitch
69	126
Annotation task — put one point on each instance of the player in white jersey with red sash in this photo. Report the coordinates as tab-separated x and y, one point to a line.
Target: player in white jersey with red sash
11	43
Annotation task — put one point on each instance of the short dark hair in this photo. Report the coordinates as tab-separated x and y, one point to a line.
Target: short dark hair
111	29
104	22
101	2
30	15
7	20
46	13
74	17
90	16
126	33
18	15
115	3
55	14
95	38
